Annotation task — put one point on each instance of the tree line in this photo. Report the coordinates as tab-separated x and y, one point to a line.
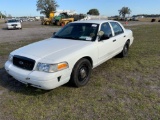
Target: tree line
47	6
146	15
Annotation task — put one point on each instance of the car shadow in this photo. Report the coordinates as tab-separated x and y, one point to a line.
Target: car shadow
11	84
4	29
10	29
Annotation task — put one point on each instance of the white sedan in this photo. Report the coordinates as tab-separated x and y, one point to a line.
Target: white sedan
70	55
13	24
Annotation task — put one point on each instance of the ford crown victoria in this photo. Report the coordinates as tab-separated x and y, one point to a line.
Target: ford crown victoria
13	24
70	55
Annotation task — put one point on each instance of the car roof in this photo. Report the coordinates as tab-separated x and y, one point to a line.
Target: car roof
93	21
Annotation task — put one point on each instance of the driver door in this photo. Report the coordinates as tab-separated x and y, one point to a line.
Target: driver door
106	47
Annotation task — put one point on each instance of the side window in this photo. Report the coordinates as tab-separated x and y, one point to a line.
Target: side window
106	29
116	28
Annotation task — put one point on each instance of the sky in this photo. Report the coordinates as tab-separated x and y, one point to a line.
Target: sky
19	8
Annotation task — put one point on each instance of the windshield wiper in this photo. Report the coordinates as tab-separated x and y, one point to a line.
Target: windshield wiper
66	37
74	38
56	36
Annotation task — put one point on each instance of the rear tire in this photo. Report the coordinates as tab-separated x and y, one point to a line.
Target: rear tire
47	23
81	73
125	50
58	23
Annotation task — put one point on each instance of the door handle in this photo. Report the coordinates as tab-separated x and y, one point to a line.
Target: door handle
124	36
114	40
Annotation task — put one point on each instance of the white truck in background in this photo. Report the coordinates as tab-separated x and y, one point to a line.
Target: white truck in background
95	17
37	18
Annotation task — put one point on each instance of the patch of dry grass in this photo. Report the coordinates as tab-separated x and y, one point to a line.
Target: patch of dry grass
147	19
1	21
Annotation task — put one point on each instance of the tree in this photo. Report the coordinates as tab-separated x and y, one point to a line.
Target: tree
124	11
2	15
46	6
93	12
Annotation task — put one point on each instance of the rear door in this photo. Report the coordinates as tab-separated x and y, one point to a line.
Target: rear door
119	36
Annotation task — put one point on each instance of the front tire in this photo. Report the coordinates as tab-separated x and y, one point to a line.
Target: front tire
81	73
56	22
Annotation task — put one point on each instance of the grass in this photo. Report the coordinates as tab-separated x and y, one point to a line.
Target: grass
7	47
148	19
121	88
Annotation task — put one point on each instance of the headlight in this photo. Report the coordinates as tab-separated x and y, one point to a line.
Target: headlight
51	67
10	58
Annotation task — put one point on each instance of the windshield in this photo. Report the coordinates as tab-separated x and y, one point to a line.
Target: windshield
10	21
78	31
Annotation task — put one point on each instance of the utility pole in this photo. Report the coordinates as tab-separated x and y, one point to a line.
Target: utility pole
0	15
5	13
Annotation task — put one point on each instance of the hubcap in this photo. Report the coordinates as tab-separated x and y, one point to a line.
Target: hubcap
83	73
125	50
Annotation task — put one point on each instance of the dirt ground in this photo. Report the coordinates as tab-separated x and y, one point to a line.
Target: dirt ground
30	31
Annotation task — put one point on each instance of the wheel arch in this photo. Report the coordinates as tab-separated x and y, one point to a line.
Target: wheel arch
128	41
89	59
85	57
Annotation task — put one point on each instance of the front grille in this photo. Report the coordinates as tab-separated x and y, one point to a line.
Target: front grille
23	62
14	24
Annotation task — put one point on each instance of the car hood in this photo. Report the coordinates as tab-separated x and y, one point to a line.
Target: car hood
51	48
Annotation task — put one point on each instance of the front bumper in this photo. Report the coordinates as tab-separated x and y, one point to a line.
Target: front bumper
14	27
38	79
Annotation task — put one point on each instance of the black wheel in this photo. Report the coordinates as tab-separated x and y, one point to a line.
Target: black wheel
81	73
57	23
47	23
125	50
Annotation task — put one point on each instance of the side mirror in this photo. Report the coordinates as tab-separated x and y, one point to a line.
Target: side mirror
54	33
102	36
100	33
